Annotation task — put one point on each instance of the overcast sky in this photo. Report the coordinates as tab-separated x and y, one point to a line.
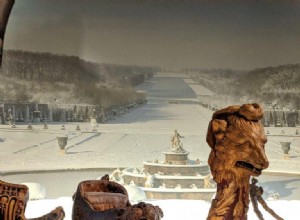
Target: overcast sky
209	34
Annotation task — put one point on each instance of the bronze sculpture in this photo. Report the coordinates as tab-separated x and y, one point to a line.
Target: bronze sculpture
107	200
5	9
256	193
237	139
13	200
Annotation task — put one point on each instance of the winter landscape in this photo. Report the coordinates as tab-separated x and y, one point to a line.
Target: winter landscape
137	136
116	78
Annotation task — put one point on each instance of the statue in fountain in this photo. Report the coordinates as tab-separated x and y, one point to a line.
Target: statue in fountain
117	176
149	181
193	186
237	139
177	145
208	182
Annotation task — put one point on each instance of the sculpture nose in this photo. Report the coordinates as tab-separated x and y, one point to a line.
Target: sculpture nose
264	164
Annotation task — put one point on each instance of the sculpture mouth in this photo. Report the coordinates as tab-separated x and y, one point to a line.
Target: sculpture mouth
248	166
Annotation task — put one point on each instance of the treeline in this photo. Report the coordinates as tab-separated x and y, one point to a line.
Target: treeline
49	78
276	87
70	69
47	67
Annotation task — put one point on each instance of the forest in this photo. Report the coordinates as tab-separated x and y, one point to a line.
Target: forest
275	87
50	78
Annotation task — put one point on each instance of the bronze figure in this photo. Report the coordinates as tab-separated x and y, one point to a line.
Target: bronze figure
13	200
107	200
256	193
237	140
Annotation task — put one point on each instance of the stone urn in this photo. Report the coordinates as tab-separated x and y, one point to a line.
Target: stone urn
62	141
286	146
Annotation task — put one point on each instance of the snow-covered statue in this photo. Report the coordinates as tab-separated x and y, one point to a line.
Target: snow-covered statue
10	117
193	186
93	118
149	181
117	176
176	144
178	186
208	182
162	186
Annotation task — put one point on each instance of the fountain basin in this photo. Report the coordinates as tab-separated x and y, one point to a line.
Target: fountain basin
165	193
169	181
171	169
176	158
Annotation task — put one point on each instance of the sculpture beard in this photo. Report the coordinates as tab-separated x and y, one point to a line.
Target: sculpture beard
5	9
237	139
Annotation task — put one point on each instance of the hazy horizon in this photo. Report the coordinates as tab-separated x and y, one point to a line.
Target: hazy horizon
172	34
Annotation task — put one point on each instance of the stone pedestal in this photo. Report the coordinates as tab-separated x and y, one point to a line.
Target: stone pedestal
176	158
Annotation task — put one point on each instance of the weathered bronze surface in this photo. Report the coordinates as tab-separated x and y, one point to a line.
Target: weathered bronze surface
237	139
13	200
256	193
104	199
57	214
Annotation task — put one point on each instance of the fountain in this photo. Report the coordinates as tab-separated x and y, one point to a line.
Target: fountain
176	177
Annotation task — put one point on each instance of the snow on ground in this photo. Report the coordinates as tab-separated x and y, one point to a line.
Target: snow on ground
173	209
142	134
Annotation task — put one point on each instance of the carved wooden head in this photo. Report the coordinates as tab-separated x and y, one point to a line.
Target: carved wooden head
237	140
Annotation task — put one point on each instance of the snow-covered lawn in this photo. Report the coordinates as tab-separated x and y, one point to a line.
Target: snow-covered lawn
173	209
